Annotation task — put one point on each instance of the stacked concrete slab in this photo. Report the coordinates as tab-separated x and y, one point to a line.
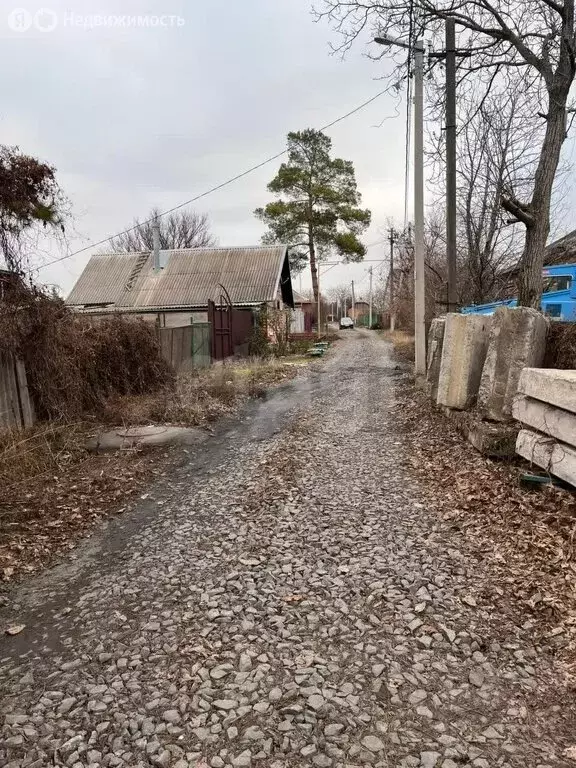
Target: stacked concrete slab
546	406
463	354
517	341
435	345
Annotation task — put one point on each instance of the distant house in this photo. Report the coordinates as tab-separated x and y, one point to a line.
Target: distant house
173	288
360	309
561	251
305	303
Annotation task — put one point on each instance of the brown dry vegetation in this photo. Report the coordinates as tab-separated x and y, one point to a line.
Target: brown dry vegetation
526	540
54	491
403	343
200	396
73	365
561	346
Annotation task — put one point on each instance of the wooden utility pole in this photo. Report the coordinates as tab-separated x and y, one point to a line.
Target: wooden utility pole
370	309
392	237
353	304
451	162
419	274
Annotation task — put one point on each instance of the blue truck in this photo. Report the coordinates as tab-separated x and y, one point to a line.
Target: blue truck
558	296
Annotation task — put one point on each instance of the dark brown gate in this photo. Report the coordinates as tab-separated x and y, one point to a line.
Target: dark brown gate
220	319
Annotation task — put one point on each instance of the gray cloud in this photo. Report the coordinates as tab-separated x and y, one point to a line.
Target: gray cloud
136	117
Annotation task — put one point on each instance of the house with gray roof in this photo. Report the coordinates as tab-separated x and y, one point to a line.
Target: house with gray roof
173	288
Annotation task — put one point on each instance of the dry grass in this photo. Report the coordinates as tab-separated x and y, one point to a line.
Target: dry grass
44	448
54	490
201	396
561	346
403	343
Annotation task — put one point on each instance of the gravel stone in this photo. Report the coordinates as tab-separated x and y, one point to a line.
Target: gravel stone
429	759
243	760
288	594
373	743
316	701
225	704
417	696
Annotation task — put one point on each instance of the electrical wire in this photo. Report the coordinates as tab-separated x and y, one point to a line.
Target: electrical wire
208	191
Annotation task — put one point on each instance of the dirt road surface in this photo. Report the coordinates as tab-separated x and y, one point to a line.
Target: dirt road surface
287	599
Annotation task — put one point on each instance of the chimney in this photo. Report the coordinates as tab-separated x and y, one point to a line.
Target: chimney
156	245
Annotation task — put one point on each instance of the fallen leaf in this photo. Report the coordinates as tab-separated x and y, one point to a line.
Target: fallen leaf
15	629
8	572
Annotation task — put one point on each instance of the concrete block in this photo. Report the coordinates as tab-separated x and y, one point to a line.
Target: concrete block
496	440
491	439
556	458
550	385
435	344
545	418
463	355
517	340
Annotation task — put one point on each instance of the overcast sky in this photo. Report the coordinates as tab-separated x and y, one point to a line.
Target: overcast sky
152	116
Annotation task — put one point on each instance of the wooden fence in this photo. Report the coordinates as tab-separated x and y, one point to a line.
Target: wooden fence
16	409
187	346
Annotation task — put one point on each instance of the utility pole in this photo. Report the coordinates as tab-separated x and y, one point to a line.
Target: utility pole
318	323
419	276
392	239
370	302
353	304
417	49
451	162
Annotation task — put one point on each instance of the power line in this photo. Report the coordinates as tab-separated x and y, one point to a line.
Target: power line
209	191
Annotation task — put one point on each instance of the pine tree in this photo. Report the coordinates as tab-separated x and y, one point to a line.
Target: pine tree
317	207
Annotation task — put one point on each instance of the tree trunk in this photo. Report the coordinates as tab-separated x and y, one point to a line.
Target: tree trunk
313	266
530	282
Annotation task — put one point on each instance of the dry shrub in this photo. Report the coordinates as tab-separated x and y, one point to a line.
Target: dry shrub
403	344
200	396
561	346
40	449
74	365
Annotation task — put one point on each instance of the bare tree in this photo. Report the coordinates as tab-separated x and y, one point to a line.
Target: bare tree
495	152
536	36
436	277
181	229
340	293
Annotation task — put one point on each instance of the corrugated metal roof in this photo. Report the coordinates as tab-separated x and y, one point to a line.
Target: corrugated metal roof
561	251
105	278
189	278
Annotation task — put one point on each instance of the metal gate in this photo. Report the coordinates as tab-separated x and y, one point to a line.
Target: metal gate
220	318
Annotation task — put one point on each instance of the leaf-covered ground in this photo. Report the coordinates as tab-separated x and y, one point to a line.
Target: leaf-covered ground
525	539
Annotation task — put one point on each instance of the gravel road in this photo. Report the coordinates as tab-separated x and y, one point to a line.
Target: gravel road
286	598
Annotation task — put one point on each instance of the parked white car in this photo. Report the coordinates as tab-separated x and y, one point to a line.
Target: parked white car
346	322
